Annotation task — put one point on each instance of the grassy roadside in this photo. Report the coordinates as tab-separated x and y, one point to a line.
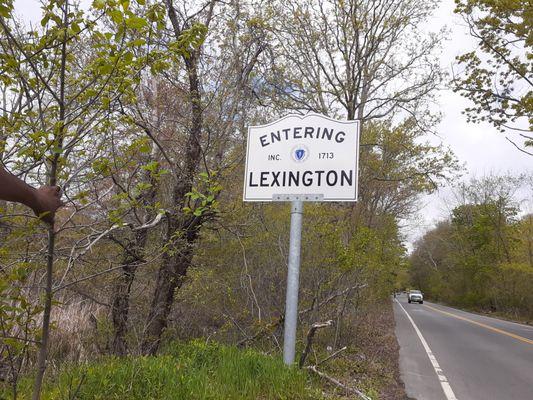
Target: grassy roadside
199	370
193	371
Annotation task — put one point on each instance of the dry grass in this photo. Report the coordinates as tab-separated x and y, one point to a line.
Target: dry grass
371	362
76	336
382	350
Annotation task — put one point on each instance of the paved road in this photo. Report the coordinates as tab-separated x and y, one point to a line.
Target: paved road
448	354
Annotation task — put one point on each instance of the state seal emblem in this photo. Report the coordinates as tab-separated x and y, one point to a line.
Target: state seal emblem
300	153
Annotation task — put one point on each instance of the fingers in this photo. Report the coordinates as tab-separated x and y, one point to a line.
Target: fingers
59	193
48	218
55	190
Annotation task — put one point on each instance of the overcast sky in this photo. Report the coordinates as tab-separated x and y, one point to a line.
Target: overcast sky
479	146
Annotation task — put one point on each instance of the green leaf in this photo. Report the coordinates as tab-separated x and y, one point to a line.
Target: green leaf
5	9
116	16
136	22
138	42
128	57
151	166
99	4
105	69
75	28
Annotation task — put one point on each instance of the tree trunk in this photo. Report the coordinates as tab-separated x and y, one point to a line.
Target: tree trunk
50	256
133	254
170	277
121	301
177	259
45	330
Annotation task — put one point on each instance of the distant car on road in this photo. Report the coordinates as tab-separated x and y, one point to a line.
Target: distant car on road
415	296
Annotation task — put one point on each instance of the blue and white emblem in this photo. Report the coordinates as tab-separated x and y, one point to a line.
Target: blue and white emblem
300	153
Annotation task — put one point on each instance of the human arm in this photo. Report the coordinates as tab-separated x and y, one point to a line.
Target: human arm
43	201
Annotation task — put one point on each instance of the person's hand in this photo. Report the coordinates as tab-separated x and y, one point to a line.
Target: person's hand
47	201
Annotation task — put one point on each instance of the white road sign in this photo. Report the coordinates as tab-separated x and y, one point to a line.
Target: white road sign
310	157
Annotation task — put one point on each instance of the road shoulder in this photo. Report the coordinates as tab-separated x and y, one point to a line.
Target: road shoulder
416	372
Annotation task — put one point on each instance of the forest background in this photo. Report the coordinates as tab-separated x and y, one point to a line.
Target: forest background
139	110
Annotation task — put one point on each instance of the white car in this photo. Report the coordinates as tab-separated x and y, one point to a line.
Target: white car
415	296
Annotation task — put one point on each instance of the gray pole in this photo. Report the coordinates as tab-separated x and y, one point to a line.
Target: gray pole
291	302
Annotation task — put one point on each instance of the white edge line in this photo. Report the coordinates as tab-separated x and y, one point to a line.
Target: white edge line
448	392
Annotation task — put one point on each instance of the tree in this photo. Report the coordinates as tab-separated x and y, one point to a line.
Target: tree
354	58
525	249
396	167
365	60
64	76
429	262
498	78
480	256
214	93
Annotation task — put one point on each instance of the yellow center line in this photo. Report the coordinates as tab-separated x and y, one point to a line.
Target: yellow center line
521	338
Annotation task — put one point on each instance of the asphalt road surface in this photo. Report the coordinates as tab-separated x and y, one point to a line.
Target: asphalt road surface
449	354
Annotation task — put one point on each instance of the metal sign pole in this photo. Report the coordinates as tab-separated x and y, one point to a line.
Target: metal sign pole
291	302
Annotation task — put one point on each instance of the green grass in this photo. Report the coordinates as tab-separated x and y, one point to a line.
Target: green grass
184	371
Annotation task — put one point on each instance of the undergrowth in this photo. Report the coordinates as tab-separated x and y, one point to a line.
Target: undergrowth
183	371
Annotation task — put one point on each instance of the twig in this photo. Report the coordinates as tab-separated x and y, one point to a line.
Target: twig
263	331
335	354
74	257
333	297
338	383
280	320
20	339
518	147
151	224
85	278
245	263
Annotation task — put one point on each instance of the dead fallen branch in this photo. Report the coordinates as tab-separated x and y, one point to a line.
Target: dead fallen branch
335	354
310	336
337	383
270	327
